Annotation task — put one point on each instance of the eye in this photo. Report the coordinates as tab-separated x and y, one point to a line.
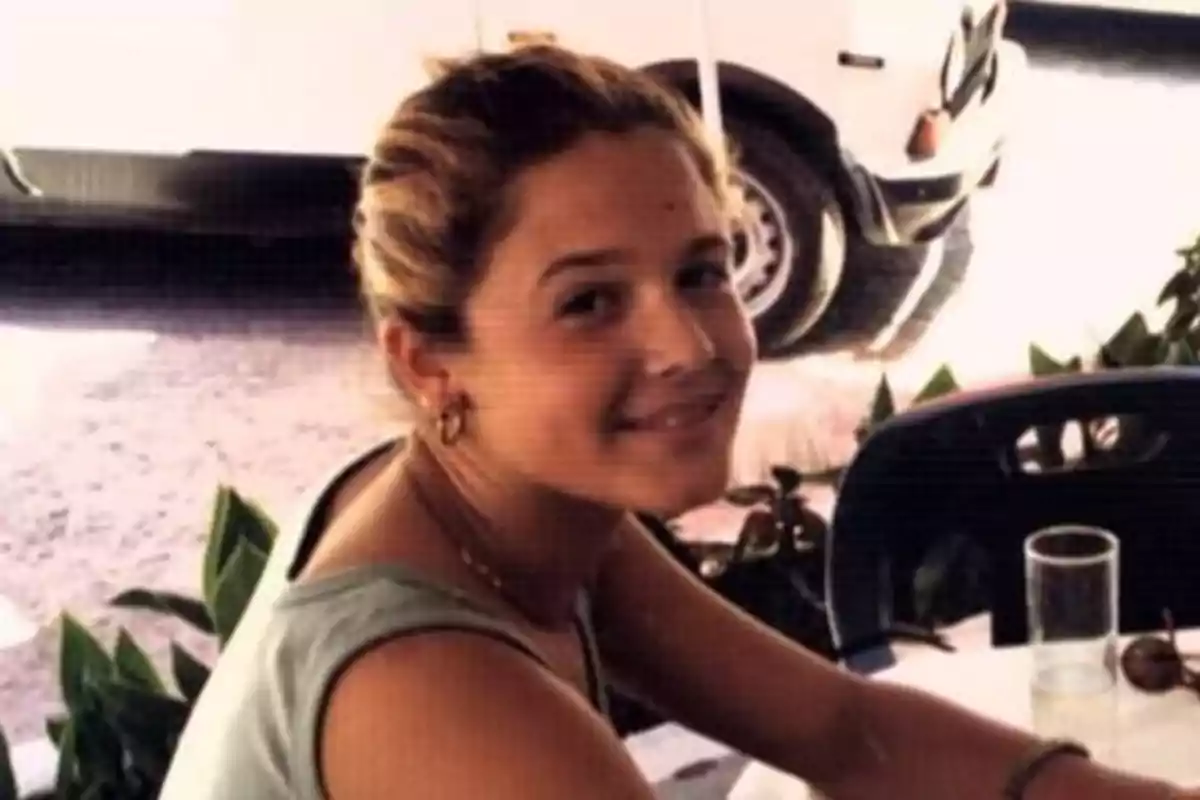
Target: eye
704	275
595	301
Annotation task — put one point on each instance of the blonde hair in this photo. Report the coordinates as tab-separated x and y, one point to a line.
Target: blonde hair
433	194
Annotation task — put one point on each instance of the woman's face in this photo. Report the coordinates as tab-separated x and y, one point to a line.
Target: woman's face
609	353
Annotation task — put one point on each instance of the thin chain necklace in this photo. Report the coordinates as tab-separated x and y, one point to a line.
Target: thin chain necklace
488	575
470	553
465	554
479	568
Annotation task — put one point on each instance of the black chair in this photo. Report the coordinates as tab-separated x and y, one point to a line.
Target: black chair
955	466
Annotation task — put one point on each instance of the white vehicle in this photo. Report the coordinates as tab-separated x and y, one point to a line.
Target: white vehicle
872	119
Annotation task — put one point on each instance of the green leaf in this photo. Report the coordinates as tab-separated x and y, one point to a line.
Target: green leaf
1181	354
1152	353
66	780
1190	256
190	674
98	753
8	780
149	724
256	526
133	665
1123	348
1042	364
82	663
235	586
54	729
942	383
129	703
1183	283
235	520
883	408
220	542
147	762
188	609
883	405
94	792
1182	318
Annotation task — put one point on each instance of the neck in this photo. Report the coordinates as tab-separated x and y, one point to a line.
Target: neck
542	546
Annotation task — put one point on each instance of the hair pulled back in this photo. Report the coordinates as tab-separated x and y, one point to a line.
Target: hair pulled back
433	195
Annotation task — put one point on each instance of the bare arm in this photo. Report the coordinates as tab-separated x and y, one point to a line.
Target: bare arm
460	717
923	747
674	642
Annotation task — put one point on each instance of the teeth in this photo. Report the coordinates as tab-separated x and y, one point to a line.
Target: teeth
680	418
684	418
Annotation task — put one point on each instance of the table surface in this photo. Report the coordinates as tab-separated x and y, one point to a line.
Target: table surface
1160	734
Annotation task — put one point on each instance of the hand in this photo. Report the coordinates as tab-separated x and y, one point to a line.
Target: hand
1173	793
1126	786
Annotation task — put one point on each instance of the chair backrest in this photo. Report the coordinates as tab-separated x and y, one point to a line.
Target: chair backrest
954	467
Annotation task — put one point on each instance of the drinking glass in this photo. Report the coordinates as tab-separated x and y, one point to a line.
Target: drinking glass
1071	579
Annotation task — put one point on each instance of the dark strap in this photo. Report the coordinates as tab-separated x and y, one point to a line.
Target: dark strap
316	521
597	685
1032	763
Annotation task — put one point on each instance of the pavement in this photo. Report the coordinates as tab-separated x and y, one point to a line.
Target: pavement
140	372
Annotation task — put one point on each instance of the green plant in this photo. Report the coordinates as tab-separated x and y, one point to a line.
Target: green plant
883	403
1178	340
779	524
775	568
123	720
774	571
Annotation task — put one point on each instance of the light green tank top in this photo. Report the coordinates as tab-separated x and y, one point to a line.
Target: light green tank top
268	749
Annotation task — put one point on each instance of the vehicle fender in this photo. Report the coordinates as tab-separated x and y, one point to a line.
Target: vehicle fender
761	97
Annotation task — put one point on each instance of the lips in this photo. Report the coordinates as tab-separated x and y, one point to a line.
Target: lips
677	416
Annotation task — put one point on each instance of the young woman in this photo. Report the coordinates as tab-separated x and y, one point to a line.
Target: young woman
542	244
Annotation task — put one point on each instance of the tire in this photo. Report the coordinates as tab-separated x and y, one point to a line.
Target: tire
791	253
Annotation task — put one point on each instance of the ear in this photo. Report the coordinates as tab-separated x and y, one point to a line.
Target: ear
417	368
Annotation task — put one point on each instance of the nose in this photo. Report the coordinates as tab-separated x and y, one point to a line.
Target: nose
675	339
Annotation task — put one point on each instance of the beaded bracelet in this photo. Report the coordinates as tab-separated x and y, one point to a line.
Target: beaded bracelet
1033	762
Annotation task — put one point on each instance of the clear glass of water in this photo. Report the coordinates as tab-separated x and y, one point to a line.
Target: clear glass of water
1071	579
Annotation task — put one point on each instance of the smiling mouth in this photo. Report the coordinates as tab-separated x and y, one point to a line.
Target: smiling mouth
676	416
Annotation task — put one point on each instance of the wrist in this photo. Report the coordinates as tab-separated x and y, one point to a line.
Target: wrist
1066	778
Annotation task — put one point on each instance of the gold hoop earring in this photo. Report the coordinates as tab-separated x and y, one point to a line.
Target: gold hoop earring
451	422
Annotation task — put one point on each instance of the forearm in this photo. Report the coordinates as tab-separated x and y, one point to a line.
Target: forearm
911	745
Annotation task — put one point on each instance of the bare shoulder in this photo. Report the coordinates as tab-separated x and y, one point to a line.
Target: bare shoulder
459	715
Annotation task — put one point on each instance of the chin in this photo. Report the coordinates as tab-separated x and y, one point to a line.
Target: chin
679	497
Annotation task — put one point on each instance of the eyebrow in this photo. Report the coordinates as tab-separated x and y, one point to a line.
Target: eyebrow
585	259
